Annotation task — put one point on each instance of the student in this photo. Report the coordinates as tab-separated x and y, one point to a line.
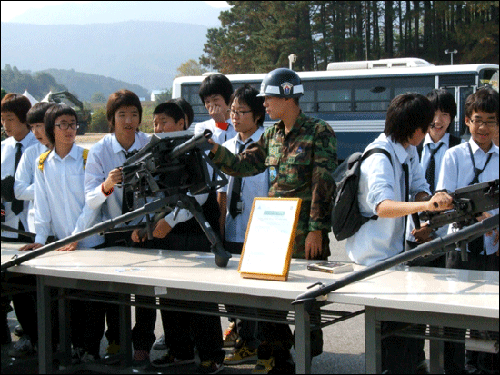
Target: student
103	172
24	186
14	108
463	165
60	199
215	93
431	151
186	108
236	200
168	117
382	192
295	170
183	331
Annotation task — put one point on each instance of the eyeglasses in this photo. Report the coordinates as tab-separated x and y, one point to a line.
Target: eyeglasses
489	124
239	113
65	125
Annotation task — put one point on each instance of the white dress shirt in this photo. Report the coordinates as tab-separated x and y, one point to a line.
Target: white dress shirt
383	238
457	171
8	152
251	187
24	187
218	135
60	199
104	156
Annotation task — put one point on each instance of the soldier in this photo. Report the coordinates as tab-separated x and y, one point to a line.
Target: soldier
301	154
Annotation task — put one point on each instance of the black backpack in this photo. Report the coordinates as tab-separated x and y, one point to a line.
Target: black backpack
346	218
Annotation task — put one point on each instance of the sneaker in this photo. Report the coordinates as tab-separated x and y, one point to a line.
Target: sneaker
264	366
210	367
22	348
230	335
160	344
19	331
169	360
89	358
241	355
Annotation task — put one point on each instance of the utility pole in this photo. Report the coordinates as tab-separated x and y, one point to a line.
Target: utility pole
448	52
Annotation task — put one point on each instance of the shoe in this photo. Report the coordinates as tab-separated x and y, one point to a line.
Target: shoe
210	367
241	355
141	359
111	353
22	348
230	336
19	331
264	366
169	360
90	358
160	344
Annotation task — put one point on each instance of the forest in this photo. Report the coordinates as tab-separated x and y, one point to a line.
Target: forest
258	36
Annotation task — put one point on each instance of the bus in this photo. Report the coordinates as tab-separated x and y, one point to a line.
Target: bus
353	97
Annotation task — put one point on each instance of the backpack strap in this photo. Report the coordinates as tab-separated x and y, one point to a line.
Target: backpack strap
42	159
85	155
376	150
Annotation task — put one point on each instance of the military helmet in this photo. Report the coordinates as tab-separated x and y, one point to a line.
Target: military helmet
283	83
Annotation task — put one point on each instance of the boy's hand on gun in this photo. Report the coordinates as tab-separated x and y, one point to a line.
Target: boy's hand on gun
440	201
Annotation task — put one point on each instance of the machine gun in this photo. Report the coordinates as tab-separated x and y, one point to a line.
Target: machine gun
162	172
469	203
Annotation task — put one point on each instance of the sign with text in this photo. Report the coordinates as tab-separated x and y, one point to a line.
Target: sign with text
269	238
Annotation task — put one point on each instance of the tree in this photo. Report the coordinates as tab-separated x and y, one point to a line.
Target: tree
164	96
190	68
99	122
98	97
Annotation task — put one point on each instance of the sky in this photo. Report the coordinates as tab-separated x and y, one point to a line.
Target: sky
11	9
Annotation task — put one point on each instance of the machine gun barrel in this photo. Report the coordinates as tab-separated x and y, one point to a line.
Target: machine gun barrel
190	144
466	234
98	228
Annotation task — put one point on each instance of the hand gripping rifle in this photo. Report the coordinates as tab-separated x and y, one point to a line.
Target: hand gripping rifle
164	171
469	203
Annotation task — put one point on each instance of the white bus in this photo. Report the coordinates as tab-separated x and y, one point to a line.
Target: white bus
353	97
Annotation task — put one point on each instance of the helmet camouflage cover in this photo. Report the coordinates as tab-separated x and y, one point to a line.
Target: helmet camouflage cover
283	83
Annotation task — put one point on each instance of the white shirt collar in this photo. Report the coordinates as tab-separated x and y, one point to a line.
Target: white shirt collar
445	140
117	147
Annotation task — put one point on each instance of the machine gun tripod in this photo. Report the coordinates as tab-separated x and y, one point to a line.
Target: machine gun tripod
172	166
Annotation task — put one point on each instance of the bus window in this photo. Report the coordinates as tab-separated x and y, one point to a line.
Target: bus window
419	84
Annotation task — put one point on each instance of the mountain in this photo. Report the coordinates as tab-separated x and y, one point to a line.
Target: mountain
192	12
85	85
139	52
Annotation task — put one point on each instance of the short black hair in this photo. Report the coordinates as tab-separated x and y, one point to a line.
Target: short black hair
483	100
118	99
51	116
443	101
248	95
407	113
171	110
17	104
186	108
36	114
216	84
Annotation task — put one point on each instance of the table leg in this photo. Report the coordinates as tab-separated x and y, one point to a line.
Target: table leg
436	352
373	343
125	318
302	340
44	316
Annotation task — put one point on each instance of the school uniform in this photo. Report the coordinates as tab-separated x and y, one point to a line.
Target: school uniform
251	187
60	198
24	187
380	180
8	152
218	135
104	156
457	171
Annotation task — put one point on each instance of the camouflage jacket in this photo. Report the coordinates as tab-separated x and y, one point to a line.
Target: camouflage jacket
300	166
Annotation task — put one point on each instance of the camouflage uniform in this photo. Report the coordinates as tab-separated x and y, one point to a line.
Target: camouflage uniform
300	166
